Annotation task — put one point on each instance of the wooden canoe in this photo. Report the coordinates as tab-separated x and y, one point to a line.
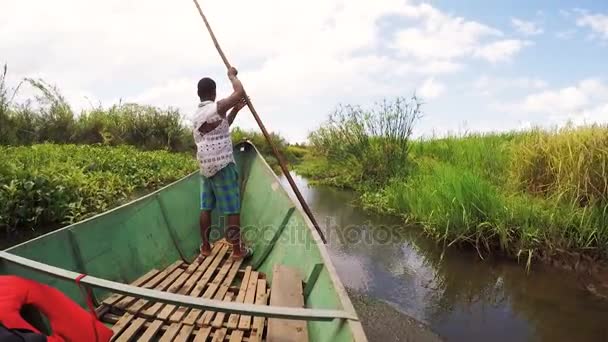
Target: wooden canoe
140	261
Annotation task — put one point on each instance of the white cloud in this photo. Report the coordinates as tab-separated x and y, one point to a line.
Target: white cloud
562	100
487	85
501	51
567	100
528	28
592	115
584	102
431	89
440	36
295	67
598	23
446	38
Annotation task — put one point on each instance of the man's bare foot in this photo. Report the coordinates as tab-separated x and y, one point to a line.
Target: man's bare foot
205	249
243	252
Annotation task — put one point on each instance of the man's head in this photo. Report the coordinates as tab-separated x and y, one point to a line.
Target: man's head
206	89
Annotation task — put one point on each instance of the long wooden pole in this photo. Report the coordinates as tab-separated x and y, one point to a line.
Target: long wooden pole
276	152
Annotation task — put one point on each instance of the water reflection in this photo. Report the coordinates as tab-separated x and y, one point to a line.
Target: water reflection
457	295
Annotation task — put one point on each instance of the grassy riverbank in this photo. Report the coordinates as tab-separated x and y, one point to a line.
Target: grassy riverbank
530	195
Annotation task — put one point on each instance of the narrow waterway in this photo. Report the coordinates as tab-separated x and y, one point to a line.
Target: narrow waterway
393	275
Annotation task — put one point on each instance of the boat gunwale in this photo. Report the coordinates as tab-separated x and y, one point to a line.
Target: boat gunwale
356	326
201	303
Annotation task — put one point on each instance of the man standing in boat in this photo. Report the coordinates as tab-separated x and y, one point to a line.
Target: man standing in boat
219	177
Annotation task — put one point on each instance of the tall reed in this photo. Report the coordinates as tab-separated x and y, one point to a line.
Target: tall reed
370	145
569	164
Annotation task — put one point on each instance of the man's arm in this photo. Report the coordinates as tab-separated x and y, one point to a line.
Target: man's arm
237	94
235	111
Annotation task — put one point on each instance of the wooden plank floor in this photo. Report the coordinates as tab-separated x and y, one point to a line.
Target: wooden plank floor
215	277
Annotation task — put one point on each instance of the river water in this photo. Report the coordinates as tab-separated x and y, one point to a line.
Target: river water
404	288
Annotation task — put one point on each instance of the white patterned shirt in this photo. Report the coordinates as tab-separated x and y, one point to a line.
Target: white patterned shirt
214	148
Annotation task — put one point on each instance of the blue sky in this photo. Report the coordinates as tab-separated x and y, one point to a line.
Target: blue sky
478	65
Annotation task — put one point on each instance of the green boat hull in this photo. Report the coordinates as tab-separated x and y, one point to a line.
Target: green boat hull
153	231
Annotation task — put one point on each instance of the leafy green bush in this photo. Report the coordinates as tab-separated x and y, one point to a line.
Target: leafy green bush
49	185
370	146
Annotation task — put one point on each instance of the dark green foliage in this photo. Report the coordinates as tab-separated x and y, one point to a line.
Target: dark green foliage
49	185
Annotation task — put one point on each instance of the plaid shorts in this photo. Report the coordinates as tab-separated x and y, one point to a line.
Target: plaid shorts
222	189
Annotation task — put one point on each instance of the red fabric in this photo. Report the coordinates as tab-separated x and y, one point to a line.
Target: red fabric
69	322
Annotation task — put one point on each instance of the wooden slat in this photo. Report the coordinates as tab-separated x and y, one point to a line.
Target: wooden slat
214	286
138	282
221	293
202	334
137	306
154	281
184	333
166	271
122	324
153	309
201	269
234	318
200	286
187	288
184	277
236	336
131	330
245	321
218	322
216	254
215	283
170	334
177	286
286	291
151	331
219	335
261	298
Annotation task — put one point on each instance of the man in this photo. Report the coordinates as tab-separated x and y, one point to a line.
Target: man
219	177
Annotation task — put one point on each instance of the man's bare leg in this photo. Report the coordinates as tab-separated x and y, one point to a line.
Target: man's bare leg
233	235
205	227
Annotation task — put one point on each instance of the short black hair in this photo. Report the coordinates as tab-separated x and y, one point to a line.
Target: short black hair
206	88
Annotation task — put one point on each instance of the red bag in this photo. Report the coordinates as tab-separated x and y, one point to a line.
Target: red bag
69	322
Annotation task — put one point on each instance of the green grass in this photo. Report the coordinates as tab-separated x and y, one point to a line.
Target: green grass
528	195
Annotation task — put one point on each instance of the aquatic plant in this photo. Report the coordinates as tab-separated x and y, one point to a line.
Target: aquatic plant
47	185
